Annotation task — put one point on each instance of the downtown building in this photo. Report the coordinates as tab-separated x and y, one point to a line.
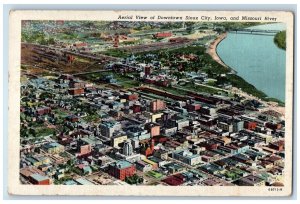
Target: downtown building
121	169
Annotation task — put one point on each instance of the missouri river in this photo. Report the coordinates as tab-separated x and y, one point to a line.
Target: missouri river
257	59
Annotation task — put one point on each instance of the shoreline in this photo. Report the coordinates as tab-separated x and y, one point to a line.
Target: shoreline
212	51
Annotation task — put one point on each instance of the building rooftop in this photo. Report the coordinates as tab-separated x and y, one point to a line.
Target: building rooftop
29	171
52	145
109	123
91	140
83	181
122	164
39	177
251	179
186	153
70	182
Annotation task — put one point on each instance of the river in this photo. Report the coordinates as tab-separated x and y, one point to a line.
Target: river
257	59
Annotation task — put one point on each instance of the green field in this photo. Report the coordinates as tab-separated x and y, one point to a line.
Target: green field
116	53
154	174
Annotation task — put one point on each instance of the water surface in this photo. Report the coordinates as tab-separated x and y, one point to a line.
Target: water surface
257	59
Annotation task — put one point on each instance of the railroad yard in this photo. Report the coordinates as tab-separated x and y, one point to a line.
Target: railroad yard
121	103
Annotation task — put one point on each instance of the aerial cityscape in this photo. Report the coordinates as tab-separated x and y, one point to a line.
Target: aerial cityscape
150	103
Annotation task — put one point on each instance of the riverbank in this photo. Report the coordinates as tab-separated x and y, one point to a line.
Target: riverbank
212	49
246	89
268	105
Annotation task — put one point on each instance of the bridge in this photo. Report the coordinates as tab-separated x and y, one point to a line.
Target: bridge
254	31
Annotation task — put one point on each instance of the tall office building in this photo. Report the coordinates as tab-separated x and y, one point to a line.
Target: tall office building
127	148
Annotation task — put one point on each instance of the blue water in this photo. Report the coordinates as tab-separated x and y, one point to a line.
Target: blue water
257	59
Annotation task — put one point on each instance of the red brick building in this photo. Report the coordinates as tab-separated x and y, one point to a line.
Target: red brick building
147	71
77	85
157	105
43	110
211	146
250	125
164	83
147	151
39	179
160	139
131	97
76	91
278	145
121	169
70	58
175	180
154	129
136	108
193	107
273	126
85	149
163	35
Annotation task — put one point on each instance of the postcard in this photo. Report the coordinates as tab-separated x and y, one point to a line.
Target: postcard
150	103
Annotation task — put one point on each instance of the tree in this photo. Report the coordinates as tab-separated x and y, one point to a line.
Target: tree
71	162
51	41
178	75
134	179
193	82
32	132
23	132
